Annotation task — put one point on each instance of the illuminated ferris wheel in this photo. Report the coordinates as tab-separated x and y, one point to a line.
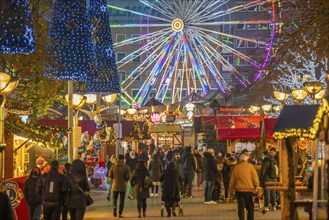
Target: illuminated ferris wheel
188	46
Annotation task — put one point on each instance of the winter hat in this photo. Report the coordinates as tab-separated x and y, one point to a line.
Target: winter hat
54	164
40	160
244	157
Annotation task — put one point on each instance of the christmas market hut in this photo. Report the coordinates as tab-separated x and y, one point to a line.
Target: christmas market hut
302	138
168	135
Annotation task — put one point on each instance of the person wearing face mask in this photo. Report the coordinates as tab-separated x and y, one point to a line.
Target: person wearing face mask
32	198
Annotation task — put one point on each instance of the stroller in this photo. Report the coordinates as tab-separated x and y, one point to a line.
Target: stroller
180	209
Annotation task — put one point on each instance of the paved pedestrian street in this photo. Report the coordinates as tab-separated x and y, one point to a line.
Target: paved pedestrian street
194	209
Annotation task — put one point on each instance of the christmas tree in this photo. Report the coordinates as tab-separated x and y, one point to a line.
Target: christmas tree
108	80
136	131
16	27
71	47
301	67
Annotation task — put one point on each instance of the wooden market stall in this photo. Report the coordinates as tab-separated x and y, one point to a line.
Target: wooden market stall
298	124
168	135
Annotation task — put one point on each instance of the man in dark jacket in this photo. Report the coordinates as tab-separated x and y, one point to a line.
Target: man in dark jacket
120	175
189	167
199	170
50	187
268	174
209	175
6	212
131	162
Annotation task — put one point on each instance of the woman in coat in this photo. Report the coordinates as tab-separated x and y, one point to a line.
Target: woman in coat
77	185
31	196
171	182
156	172
137	182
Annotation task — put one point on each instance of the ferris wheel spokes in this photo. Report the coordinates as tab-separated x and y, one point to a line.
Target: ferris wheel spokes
142	50
234	9
157	8
224	62
138	13
148	84
231	49
231	22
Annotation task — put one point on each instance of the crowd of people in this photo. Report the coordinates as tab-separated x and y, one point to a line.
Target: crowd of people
174	174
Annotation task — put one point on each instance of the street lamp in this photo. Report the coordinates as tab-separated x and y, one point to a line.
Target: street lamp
299	95
266	108
214	106
6	87
313	88
280	96
131	110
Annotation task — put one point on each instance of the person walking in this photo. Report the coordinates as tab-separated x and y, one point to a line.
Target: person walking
30	193
171	181
131	162
77	186
244	181
6	211
137	182
156	172
109	164
209	175
119	175
50	187
199	170
268	174
65	210
189	167
229	163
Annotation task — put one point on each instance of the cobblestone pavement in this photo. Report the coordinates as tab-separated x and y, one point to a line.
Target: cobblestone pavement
194	209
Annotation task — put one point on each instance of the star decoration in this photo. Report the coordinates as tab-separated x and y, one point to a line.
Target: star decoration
109	52
28	35
103	8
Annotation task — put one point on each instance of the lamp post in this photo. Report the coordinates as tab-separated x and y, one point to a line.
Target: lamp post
6	87
214	106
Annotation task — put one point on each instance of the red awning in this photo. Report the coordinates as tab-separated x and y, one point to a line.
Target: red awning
238	133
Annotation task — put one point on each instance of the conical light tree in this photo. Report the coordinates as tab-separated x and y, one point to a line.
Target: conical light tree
108	80
71	47
16	31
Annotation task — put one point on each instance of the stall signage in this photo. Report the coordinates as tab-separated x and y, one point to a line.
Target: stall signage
230	109
13	191
19	112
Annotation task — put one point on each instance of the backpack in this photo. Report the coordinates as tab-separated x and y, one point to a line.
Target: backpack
52	188
273	170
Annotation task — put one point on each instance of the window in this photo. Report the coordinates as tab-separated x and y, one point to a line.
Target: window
252	26
262	26
251	44
168	95
241	26
240	44
261	43
120	56
137	43
252	9
137	59
240	62
121	37
123	75
134	92
184	93
241	4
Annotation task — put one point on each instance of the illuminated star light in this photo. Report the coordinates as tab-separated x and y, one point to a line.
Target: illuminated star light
109	52
103	8
28	34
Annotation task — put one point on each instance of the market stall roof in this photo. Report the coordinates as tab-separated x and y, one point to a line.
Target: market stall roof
300	120
166	128
153	102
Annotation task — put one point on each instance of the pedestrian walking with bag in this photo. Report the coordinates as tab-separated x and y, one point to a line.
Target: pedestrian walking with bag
30	194
78	190
141	190
119	175
156	172
170	183
50	188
